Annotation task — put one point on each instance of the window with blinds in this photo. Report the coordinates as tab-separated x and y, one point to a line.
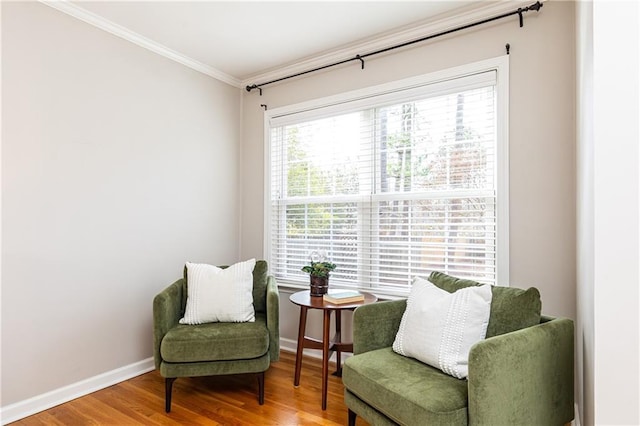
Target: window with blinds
391	185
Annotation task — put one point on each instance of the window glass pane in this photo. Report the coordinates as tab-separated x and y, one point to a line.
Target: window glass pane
442	143
322	156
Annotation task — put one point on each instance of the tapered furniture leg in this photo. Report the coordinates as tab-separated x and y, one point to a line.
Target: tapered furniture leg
326	325
261	388
338	339
352	418
301	328
168	386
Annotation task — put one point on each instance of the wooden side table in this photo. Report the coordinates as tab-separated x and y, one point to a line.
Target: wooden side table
306	302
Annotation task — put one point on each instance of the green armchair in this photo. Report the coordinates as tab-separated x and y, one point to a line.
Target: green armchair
216	348
522	377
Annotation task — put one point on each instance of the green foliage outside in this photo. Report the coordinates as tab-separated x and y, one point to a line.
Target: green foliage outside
306	177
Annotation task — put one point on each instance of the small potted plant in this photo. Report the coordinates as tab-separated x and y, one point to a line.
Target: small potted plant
318	270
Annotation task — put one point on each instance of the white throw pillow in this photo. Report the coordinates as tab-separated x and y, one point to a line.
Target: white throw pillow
219	295
439	328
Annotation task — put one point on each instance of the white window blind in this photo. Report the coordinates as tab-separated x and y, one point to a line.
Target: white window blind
390	185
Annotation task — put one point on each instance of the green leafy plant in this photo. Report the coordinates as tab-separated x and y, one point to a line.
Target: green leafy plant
318	265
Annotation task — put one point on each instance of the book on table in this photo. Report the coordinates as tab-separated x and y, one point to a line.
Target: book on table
343	296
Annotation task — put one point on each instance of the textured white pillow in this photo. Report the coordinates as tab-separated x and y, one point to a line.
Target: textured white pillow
439	328
219	295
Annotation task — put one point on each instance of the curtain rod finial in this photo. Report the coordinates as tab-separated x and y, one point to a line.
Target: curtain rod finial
536	6
254	86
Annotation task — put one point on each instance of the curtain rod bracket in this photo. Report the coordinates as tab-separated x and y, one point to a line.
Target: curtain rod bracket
358	57
520	17
264	106
508	47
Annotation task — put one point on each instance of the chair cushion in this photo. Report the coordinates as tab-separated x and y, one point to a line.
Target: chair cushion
216	341
511	308
406	390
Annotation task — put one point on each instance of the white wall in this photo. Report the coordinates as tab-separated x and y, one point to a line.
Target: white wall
608	212
542	139
118	165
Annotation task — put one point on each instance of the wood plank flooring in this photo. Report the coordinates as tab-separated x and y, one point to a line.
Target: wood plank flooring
221	400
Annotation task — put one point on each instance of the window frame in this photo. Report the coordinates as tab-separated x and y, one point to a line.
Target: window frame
352	99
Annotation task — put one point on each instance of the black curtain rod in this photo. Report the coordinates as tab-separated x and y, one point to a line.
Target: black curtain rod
536	6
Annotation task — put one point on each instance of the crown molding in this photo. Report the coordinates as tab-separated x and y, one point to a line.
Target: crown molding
135	38
435	25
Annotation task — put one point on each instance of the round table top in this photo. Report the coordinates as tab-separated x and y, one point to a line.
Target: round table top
304	298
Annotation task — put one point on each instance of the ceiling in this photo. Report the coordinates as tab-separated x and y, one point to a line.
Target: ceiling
244	39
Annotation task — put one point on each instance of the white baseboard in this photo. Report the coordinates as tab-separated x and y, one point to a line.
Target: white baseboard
289	345
28	407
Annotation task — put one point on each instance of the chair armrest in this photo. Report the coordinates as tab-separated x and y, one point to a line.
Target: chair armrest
375	326
167	311
523	377
273	318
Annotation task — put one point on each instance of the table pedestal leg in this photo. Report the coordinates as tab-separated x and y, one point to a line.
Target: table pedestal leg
338	339
301	330
326	323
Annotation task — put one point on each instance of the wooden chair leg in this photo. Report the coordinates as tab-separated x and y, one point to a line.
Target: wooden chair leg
261	388
168	386
352	418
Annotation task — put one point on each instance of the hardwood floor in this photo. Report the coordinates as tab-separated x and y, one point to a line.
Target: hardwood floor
221	400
